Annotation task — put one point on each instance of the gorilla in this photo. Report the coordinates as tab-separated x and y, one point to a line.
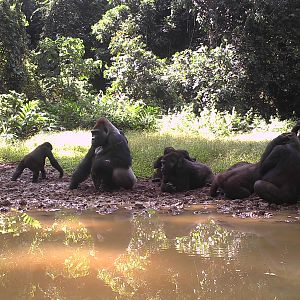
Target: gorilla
157	176
180	174
35	161
296	128
108	159
237	182
279	170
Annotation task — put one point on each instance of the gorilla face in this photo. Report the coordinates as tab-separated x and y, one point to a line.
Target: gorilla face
170	162
99	137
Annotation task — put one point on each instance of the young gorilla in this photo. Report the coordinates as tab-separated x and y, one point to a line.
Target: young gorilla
237	182
181	174
157	175
108	160
35	161
279	170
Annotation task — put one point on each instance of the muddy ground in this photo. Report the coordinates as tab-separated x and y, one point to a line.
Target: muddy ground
53	193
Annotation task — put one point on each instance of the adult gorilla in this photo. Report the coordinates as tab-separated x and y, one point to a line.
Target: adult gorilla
108	160
237	182
279	170
180	174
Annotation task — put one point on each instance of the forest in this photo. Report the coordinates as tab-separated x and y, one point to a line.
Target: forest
172	132
64	63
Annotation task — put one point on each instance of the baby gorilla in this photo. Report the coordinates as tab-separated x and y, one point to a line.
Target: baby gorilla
181	174
35	161
157	175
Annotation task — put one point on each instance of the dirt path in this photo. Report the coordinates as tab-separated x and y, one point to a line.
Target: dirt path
53	193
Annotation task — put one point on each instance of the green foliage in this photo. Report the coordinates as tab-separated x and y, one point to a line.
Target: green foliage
110	22
21	117
13	47
217	123
266	35
231	59
63	77
124	113
135	71
207	77
72	18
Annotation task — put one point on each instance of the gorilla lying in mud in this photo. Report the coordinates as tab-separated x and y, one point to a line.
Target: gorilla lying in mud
279	170
35	161
157	176
237	182
181	174
108	159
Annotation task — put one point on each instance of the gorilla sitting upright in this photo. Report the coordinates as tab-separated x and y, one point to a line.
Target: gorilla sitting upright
108	159
279	170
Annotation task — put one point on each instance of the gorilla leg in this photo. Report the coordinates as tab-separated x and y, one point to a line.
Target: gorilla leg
271	193
43	172
83	170
35	175
124	178
234	192
18	171
102	173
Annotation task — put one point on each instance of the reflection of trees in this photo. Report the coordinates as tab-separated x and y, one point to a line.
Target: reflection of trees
152	267
148	237
210	240
66	233
130	274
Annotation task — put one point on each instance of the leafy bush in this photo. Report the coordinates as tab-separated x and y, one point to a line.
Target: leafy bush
213	122
206	77
123	112
21	117
63	77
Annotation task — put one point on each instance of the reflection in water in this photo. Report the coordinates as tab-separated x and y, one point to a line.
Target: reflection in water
33	247
66	256
210	240
148	237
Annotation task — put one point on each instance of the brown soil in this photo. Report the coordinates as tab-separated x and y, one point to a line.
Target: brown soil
53	193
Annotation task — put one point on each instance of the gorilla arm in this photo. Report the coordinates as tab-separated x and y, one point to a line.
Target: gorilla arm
271	160
83	170
54	162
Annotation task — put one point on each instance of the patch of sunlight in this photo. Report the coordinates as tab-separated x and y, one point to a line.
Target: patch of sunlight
61	139
256	136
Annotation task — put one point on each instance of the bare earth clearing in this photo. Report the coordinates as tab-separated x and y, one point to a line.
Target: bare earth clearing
53	194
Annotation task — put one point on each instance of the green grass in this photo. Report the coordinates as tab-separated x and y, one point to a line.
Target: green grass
70	147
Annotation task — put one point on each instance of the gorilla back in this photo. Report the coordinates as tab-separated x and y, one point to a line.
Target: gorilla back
279	170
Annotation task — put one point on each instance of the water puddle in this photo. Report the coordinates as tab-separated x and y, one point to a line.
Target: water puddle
125	255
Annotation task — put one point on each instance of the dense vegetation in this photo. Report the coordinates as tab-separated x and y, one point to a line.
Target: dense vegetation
63	63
